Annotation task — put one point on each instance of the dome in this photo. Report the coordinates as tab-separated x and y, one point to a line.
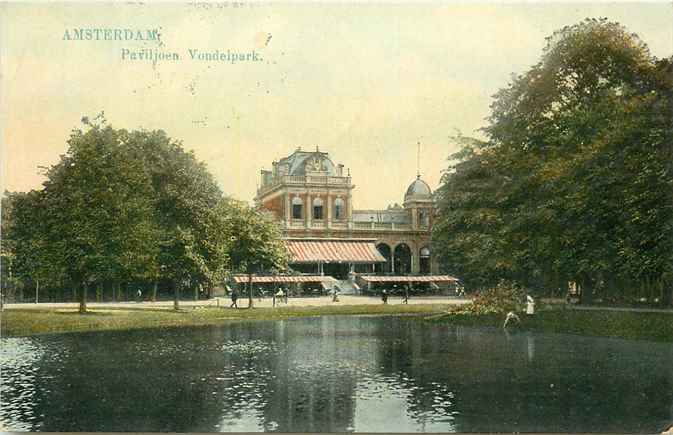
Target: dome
301	162
419	189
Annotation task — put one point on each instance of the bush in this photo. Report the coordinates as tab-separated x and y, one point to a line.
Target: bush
503	298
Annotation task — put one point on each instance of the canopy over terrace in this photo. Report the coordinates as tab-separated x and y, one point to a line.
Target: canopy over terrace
333	256
238	279
434	281
287	281
423	278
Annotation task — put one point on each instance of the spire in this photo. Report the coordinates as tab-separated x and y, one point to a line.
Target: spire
418	160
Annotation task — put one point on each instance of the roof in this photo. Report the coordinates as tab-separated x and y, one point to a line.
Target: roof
283	278
299	161
419	189
420	278
333	251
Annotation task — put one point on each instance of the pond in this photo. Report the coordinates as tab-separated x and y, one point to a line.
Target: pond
335	374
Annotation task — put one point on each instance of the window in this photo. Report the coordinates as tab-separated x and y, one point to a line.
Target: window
297	205
339	208
424	218
424	262
317	208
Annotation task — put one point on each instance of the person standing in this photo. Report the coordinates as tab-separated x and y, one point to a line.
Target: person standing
406	294
234	299
384	297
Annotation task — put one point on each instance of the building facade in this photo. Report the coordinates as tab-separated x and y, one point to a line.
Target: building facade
312	199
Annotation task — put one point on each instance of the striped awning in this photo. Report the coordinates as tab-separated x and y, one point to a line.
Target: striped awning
283	278
422	278
333	251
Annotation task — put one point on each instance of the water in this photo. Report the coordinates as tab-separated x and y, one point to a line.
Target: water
335	374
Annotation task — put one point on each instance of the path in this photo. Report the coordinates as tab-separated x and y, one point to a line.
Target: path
243	303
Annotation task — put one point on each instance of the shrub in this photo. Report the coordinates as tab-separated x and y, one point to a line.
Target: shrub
501	299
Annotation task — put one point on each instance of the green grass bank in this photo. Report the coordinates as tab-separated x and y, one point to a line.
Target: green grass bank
629	325
16	322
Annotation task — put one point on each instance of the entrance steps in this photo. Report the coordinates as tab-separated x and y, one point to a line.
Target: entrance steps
346	287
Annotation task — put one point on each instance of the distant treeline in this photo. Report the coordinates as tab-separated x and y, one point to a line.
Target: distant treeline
574	182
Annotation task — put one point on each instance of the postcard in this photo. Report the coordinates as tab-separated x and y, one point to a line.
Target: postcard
330	217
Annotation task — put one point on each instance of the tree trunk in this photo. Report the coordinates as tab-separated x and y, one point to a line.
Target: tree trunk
82	298
587	292
154	291
37	291
196	293
666	294
176	297
114	291
250	305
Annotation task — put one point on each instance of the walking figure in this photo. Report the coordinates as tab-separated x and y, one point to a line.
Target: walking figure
139	295
234	298
335	294
406	294
384	297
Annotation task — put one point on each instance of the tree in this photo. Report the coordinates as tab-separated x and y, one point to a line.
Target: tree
98	216
467	232
193	249
578	155
256	243
25	240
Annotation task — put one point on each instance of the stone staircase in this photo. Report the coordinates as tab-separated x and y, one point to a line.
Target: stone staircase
346	287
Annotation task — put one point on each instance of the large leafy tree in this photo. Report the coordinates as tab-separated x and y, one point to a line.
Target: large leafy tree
578	153
193	249
25	241
467	234
98	220
256	244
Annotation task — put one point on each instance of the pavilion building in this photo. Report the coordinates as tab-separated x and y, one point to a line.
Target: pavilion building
312	199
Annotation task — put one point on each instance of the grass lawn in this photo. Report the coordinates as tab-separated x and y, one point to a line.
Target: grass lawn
30	322
630	325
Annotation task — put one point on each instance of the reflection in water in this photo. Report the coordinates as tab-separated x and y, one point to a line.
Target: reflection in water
17	390
335	374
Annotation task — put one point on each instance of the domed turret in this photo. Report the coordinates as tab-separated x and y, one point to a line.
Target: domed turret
418	190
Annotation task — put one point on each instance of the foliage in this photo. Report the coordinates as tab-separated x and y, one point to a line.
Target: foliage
256	246
501	299
575	181
131	207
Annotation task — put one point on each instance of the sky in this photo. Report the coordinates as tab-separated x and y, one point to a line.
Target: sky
363	82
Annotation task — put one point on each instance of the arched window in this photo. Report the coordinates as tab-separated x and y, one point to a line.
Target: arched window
402	256
317	208
424	262
297	205
339	208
